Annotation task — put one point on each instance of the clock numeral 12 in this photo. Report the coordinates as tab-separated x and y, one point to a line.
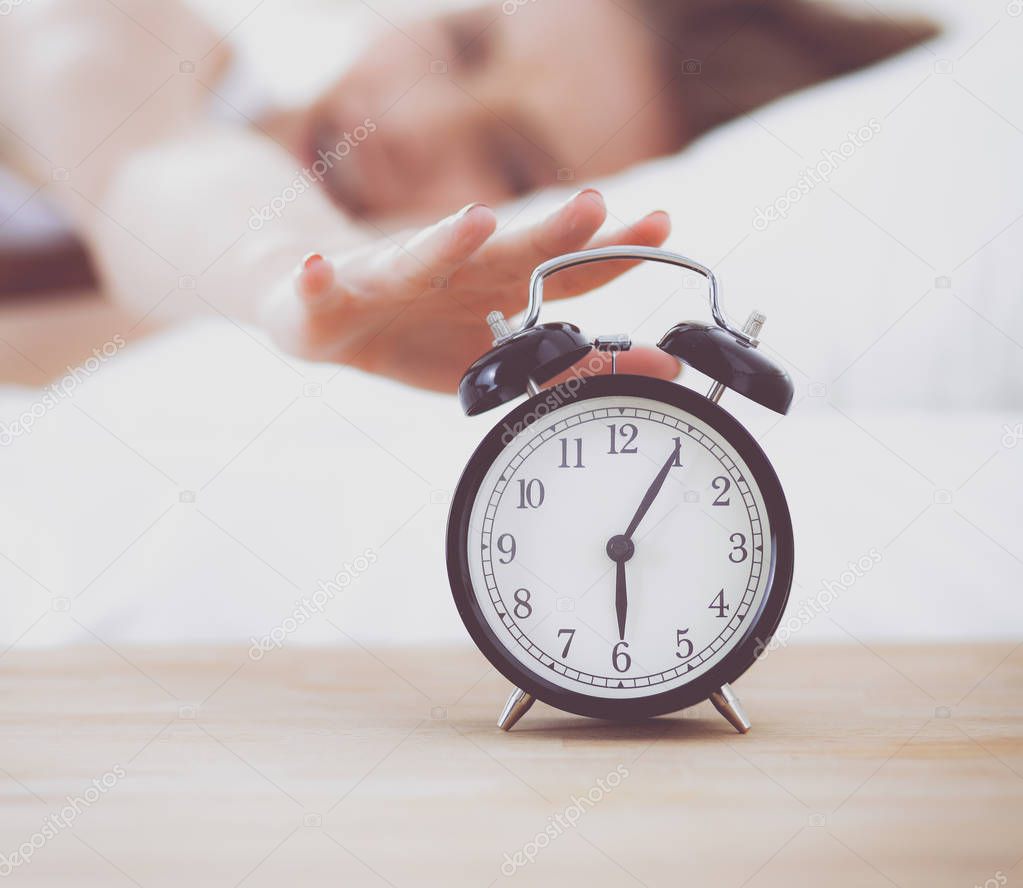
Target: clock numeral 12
578	454
628	433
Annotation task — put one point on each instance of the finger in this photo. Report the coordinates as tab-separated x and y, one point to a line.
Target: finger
643	360
436	252
314	281
650	231
568	228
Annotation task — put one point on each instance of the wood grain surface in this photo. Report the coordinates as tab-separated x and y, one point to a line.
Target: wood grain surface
866	766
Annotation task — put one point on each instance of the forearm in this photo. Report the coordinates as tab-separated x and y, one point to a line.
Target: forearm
221	207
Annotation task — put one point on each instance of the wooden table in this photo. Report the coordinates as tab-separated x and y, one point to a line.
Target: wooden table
866	766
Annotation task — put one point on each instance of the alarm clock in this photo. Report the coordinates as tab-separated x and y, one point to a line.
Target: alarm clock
619	546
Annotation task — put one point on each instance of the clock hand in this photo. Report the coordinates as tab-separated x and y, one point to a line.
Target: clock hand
621	599
652	491
620	548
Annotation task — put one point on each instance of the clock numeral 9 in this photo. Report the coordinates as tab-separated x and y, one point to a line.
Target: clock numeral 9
739	551
506	546
522	607
531	494
719	605
680	640
578	454
627	433
620	658
724	485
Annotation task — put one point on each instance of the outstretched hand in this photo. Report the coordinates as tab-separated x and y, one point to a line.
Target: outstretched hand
416	312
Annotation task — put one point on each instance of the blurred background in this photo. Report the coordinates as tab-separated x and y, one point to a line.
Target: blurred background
199	483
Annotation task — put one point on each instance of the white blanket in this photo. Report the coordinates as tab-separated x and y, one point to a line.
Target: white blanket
218	485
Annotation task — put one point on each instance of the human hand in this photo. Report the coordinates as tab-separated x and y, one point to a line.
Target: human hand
416	312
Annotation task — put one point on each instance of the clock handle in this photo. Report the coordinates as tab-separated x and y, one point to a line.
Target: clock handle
602	254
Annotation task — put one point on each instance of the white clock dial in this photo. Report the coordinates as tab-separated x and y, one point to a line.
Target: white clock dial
538	547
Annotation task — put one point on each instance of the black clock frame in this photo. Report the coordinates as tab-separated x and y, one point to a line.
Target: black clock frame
756	636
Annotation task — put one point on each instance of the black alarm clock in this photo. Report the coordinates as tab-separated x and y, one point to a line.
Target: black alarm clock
619	546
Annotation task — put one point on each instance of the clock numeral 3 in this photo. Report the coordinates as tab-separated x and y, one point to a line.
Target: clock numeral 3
523	608
620	658
571	634
531	494
681	640
627	433
719	605
578	454
506	546
739	551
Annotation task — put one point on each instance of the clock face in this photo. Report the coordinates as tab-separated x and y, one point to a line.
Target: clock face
616	546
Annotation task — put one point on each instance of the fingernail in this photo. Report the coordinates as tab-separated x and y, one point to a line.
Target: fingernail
311	259
589	191
468	209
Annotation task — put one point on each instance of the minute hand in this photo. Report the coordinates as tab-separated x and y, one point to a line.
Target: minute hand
652	491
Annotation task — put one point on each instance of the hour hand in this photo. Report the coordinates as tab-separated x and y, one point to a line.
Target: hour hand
652	491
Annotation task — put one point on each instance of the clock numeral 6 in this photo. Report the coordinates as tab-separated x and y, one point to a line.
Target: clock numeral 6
564	464
739	551
627	432
506	546
522	607
531	494
620	658
571	634
680	640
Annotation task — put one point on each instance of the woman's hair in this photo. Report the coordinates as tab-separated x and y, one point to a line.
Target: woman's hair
730	56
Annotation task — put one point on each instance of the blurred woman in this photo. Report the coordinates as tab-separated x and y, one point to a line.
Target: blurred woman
468	108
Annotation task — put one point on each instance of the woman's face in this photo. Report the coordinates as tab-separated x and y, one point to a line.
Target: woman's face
490	102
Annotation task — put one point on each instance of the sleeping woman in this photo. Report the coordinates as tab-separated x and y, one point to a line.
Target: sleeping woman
284	221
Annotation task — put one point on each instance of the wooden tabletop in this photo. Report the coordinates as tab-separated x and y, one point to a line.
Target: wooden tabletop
866	766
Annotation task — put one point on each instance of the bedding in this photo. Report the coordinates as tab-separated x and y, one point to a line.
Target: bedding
197	486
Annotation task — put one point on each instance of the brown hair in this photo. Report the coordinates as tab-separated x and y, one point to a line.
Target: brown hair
731	56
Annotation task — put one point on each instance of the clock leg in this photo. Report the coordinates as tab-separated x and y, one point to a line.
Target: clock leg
517	706
728	705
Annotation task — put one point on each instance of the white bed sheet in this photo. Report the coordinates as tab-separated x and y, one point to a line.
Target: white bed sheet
209	484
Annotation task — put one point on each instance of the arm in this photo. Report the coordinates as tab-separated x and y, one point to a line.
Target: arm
166	193
120	136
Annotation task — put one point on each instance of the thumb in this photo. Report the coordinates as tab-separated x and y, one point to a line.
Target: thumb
644	360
